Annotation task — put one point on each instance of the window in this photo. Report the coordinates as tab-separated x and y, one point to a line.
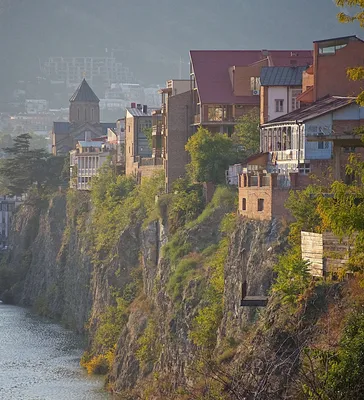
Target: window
322	145
279	105
243	205
304	168
260	204
255	83
295	104
215	113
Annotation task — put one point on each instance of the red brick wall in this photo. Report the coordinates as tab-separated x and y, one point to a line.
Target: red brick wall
330	71
252	194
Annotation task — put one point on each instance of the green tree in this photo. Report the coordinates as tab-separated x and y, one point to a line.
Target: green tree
210	156
26	167
355	73
247	135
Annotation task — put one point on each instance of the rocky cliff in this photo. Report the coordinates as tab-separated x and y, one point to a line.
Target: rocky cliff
179	293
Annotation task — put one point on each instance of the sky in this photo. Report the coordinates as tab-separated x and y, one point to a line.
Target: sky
152	35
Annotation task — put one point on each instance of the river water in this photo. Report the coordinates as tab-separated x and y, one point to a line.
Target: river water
39	360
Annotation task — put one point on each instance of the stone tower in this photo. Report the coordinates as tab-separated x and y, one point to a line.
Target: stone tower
84	106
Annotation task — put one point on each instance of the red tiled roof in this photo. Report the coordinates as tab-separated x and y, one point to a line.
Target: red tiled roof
211	68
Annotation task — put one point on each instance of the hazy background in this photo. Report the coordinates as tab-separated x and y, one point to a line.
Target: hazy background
154	34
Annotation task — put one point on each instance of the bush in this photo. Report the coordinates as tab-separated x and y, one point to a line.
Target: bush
185	204
148	346
110	324
98	365
293	276
184	271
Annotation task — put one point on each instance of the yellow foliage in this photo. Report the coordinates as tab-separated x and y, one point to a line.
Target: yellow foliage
100	364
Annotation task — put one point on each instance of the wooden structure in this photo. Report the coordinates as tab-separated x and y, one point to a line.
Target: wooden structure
252	301
325	252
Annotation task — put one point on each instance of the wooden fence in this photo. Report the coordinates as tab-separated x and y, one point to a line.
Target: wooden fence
325	252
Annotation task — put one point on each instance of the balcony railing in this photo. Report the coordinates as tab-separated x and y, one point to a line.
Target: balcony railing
157	129
287	155
150	161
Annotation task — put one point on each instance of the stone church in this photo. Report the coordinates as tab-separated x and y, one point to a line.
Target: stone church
84	121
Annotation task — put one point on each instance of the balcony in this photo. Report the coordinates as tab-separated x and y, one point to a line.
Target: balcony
157	129
150	161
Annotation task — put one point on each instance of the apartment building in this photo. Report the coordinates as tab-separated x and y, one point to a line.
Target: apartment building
226	84
328	73
138	153
84	121
171	129
71	70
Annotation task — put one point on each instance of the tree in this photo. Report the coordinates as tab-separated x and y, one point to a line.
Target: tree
355	73
148	134
210	156
26	167
247	135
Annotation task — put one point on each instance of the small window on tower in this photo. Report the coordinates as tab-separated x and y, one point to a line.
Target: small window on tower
260	204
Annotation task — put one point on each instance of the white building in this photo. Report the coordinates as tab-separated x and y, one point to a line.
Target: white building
280	87
311	138
85	162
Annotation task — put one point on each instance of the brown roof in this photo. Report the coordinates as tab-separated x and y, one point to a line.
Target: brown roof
211	69
314	110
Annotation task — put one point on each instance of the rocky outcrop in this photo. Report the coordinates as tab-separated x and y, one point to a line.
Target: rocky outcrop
59	278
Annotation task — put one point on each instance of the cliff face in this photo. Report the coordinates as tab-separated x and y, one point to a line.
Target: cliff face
155	352
54	269
252	253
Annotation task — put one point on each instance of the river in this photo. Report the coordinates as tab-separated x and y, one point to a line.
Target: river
39	360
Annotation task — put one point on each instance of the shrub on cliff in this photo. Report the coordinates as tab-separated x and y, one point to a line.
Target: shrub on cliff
118	202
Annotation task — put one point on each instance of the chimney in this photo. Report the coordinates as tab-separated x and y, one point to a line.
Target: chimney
132	105
139	106
145	109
